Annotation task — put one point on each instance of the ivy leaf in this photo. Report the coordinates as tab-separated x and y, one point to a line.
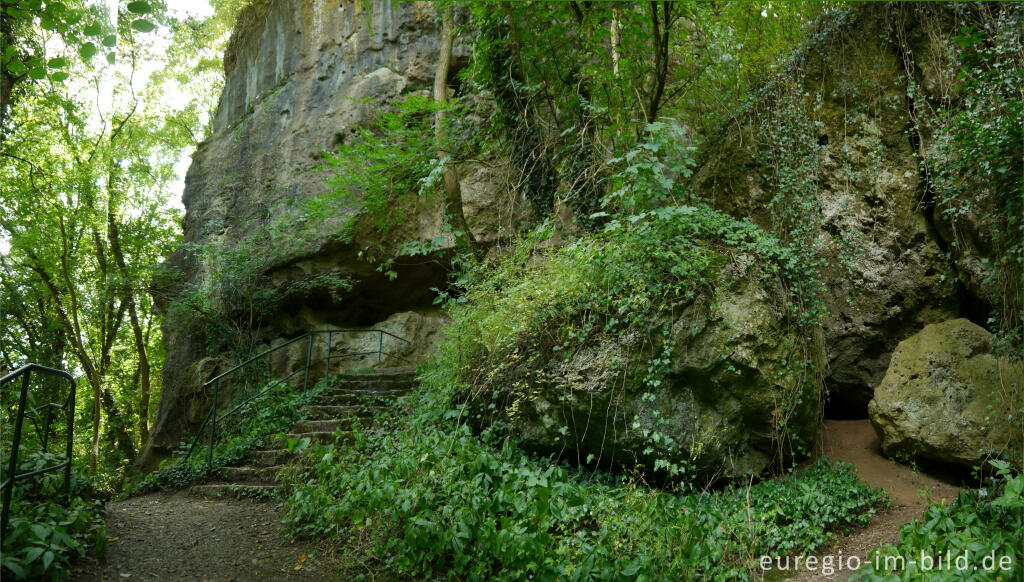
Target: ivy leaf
110	40
93	29
111	58
58	76
57	63
139	7
87	50
143	25
37	73
40	531
33	553
13	565
16	67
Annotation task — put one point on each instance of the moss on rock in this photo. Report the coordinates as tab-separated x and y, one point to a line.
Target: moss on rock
947	398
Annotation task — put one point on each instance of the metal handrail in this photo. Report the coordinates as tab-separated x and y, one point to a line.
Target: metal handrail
302	337
7	487
212	418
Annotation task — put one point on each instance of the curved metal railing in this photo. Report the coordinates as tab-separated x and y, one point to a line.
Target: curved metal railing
213	418
7	486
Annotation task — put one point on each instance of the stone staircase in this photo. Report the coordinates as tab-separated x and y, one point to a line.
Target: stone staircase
353	396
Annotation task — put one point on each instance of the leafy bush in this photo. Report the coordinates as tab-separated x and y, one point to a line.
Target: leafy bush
378	170
422	497
654	172
44	533
978	524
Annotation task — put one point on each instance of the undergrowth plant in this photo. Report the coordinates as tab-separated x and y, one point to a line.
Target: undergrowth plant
46	532
978	534
420	496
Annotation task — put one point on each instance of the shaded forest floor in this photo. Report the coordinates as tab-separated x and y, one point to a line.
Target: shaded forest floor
164	536
855	441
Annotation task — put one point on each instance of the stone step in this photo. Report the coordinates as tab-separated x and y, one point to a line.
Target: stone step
251	475
330	411
375	380
374	385
355	397
325	425
272	457
233	490
317	437
385	374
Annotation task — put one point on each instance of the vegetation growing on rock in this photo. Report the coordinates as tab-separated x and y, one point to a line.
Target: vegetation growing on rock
668	339
653	243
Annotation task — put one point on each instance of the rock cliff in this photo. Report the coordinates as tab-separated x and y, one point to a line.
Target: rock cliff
838	145
300	77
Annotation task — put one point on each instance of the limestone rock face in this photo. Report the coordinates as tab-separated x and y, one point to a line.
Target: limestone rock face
844	110
301	76
730	383
946	398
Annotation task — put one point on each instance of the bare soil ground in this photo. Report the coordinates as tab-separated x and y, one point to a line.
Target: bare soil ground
165	536
169	537
855	441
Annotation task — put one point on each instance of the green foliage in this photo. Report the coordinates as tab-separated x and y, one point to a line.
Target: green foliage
978	173
228	304
45	532
85	207
379	168
83	27
652	174
978	523
422	497
575	84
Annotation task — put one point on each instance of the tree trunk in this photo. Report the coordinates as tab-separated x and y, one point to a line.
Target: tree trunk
128	296
452	188
662	34
117	426
6	78
615	40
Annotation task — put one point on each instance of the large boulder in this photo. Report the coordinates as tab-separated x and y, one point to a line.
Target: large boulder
947	398
738	395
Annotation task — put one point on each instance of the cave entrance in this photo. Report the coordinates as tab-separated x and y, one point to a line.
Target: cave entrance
846	402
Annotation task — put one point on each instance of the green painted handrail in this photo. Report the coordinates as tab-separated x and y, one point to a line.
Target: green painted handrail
7	487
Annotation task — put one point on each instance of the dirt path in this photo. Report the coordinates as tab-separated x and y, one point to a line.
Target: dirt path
855	441
164	536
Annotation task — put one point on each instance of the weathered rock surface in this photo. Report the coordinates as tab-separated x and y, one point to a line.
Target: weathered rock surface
731	381
301	76
946	398
843	105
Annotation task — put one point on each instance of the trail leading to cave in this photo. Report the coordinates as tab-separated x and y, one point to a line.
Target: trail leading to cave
855	441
